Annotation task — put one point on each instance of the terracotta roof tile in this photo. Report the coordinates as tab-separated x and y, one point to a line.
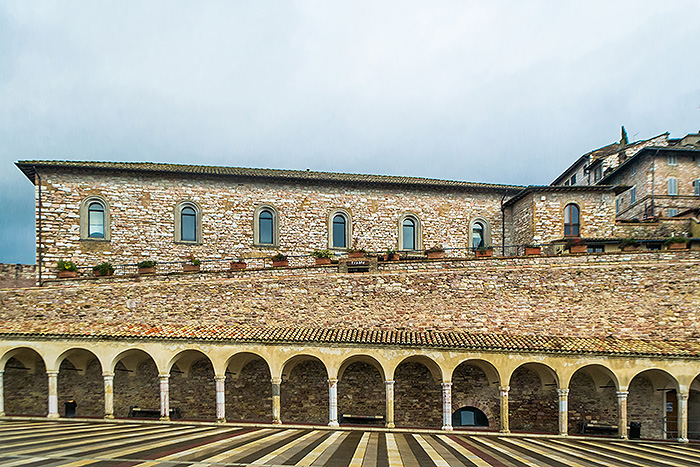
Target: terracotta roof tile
432	339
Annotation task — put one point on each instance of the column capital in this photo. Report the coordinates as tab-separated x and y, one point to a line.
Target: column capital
276	380
220	378
504	388
332	380
107	374
389	382
563	392
52	372
622	394
683	396
164	376
446	384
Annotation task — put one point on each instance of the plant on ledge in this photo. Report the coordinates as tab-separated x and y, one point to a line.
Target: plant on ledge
103	269
147	267
484	251
279	260
676	243
629	244
192	264
66	269
391	255
356	252
434	252
322	256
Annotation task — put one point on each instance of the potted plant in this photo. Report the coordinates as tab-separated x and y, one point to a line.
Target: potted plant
322	257
356	252
484	251
532	250
66	269
192	264
103	269
391	255
147	267
629	244
435	252
676	243
576	245
279	261
237	265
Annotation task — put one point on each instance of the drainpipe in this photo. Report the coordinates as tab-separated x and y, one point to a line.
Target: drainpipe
503	225
39	259
653	176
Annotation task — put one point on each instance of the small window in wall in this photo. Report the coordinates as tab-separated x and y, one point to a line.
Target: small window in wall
573	179
340	230
672	212
633	195
595	248
409	232
266	226
94	219
598	173
479	233
696	187
469	416
672	186
672	159
618	202
572	221
188	223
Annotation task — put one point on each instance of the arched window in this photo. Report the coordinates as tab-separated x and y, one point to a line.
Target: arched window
469	416
188	223
572	221
479	233
409	232
266	226
94	219
339	230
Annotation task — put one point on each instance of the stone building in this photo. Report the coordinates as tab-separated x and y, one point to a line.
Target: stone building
548	341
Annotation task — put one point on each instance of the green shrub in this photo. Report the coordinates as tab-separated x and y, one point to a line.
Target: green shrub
322	254
146	264
66	266
105	269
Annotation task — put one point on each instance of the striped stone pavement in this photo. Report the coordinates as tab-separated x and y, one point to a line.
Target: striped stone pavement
74	444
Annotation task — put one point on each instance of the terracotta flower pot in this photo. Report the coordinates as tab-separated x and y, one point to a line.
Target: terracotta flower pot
280	264
435	254
147	270
484	254
190	267
99	274
237	265
576	249
356	254
67	274
677	246
630	248
533	250
393	257
322	261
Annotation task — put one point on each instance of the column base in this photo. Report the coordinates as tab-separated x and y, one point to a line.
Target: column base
563	435
164	419
390	425
220	420
683	440
276	422
53	415
2	414
504	431
334	424
447	428
109	416
623	437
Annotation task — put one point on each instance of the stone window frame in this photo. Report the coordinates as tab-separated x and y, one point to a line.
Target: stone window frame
177	222
348	228
672	186
696	187
418	232
633	195
672	159
84	226
487	231
275	226
580	224
672	212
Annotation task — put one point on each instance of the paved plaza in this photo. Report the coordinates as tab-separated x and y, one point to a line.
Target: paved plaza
47	443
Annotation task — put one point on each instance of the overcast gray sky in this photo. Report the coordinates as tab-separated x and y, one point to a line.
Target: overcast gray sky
488	91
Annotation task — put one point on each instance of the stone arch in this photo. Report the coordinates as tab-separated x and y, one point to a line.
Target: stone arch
592	396
417	392
533	399
135	381
192	385
648	393
26	385
361	389
475	384
304	390
80	379
247	388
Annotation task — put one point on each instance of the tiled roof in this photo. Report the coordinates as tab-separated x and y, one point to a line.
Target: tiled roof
563	189
432	339
28	167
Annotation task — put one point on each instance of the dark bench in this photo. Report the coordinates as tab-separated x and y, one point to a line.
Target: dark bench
596	428
361	419
139	412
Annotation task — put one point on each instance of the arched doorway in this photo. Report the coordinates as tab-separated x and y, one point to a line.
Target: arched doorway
652	401
592	398
192	386
80	380
361	392
135	383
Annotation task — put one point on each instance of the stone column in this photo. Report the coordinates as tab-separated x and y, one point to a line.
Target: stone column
563	412
220	381
276	406
53	394
682	417
109	394
622	414
164	396
447	406
2	393
333	402
389	385
505	423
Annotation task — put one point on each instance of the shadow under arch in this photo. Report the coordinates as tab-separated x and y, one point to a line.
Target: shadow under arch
533	400
248	388
304	390
489	369
361	358
289	365
26	385
652	400
236	362
592	397
417	393
80	380
185	359
361	391
429	363
475	384
548	376
135	382
600	374
130	359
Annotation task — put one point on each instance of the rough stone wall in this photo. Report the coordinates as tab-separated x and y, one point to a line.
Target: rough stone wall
138	388
590	403
249	396
304	396
597	215
646	405
26	391
565	296
17	275
361	391
470	387
142	210
532	407
659	228
522	226
85	387
417	397
194	393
